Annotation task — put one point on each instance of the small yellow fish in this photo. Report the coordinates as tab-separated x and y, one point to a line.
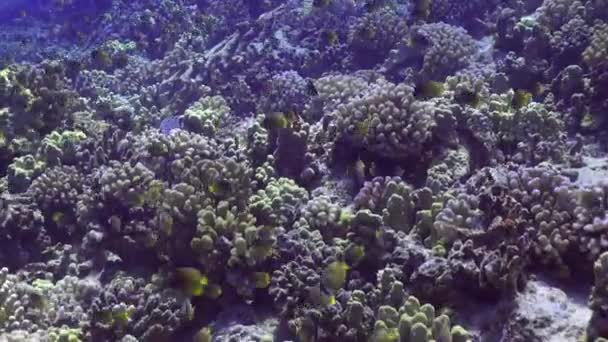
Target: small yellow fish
538	89
330	300
382	333
318	297
521	98
136	200
417	41
335	275
428	90
311	89
150	240
355	254
213	291
191	281
422	9
121	318
105	316
58	217
346	216
330	37
203	335
262	280
101	57
276	120
467	97
219	187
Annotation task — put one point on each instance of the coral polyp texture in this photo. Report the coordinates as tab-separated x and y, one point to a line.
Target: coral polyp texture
304	170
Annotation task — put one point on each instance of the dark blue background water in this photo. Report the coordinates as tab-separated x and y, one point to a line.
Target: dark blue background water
15	9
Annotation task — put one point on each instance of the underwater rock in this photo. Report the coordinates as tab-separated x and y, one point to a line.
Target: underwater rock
543	312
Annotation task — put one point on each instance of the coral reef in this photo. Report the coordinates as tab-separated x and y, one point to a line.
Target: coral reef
389	170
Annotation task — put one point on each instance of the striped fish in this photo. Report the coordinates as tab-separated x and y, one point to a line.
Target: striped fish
170	124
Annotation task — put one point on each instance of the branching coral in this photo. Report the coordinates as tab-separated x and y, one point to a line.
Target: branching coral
60	147
22	171
279	203
206	115
58	191
387	120
446	48
596	51
321	214
373	35
392	198
131	306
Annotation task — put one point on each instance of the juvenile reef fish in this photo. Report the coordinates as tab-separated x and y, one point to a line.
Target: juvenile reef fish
521	98
311	90
262	279
429	89
467	97
168	125
191	281
320	297
330	37
422	9
278	120
219	187
355	254
334	276
204	335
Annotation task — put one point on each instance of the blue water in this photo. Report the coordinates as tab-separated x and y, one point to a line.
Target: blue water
11	10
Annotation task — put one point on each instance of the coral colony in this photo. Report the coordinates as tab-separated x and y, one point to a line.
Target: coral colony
304	170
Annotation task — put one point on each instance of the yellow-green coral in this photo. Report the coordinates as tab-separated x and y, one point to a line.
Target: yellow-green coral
205	115
5	76
22	171
405	320
278	203
597	51
65	335
60	145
